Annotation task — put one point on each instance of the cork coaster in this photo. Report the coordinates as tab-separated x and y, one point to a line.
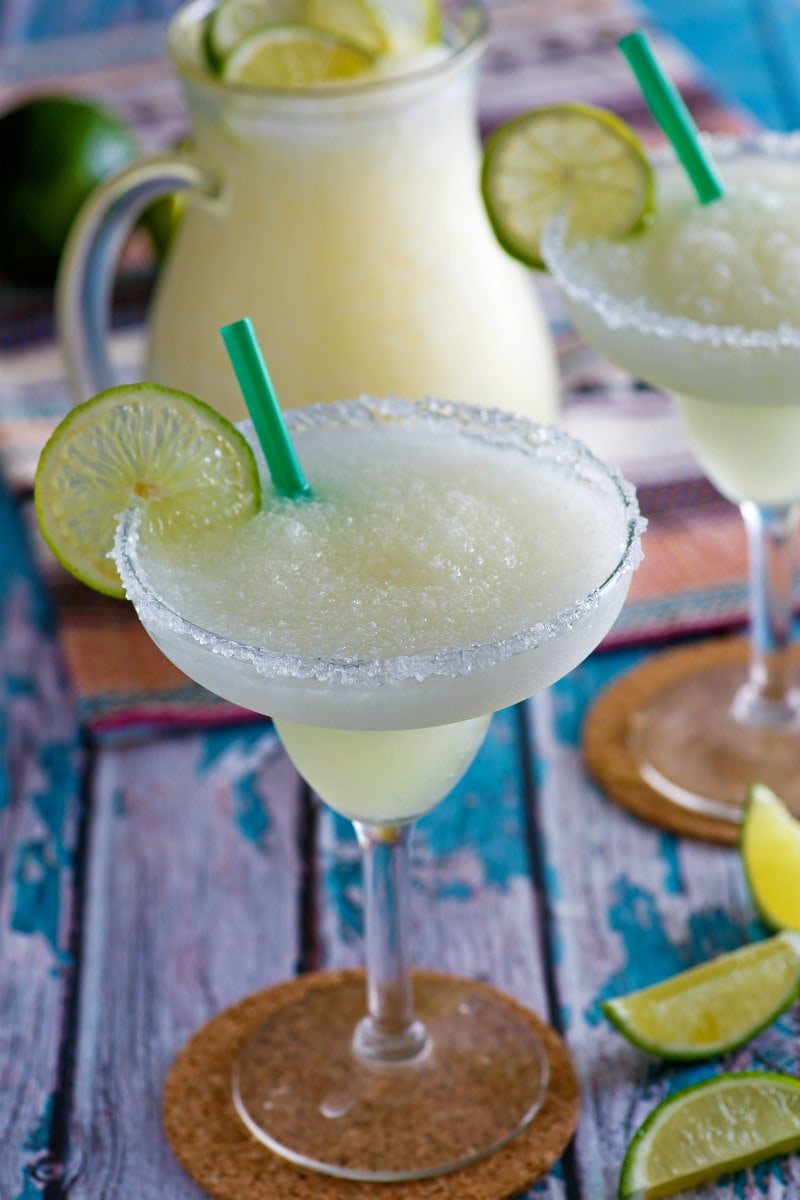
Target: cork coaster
216	1150
606	743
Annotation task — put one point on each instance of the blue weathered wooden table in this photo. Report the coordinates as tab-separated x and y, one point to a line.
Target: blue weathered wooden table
145	885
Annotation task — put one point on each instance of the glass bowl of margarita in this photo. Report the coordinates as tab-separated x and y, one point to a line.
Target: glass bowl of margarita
705	303
450	561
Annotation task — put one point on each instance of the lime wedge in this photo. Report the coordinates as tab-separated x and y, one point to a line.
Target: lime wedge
564	158
183	462
293	56
704	1131
234	20
714	1007
770	847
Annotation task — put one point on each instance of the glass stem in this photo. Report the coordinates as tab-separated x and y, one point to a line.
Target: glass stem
390	1033
767	698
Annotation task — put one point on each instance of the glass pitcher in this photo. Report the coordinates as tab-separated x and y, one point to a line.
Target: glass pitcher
345	222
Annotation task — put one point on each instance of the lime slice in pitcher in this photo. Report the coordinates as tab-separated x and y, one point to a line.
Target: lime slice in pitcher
235	20
292	56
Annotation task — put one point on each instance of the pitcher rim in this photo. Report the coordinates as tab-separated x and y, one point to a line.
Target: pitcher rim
188	68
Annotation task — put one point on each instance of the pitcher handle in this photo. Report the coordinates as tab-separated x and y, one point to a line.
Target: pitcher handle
94	244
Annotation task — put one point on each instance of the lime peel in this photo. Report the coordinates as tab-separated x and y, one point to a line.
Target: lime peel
691	1137
715	1007
170	453
769	844
573	159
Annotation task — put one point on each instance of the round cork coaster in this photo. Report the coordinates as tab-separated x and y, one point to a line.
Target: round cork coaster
216	1150
606	742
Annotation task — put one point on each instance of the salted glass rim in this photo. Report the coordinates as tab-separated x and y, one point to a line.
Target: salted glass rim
471	44
637	316
490	425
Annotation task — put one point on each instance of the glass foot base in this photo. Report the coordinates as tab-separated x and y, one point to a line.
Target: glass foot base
690	747
301	1089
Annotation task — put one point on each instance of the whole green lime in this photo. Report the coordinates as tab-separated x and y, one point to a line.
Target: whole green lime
54	150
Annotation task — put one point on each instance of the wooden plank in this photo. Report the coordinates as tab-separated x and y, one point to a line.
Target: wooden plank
39	836
630	905
194	901
474	908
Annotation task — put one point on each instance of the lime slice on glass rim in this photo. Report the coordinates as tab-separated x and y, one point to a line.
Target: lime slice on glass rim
722	1124
573	159
715	1007
769	844
294	56
183	462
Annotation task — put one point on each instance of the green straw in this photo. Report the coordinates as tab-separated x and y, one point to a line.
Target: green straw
265	411
669	110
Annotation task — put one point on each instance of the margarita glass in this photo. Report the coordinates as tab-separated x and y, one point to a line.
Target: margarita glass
706	304
345	220
452	561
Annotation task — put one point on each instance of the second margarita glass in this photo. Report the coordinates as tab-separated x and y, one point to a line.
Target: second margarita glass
706	304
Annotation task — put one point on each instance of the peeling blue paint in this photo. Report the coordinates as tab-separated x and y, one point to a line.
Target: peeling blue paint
483	817
777	1048
37	885
54	802
668	853
762	1173
18	561
686	1075
20	687
454	891
541	770
30	1189
713	931
34	1178
552	883
241	742
251	816
543	1186
485	812
572	695
341	878
241	739
5	774
568	708
43	862
38	1139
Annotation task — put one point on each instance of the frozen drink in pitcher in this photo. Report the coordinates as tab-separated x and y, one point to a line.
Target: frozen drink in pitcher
333	195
